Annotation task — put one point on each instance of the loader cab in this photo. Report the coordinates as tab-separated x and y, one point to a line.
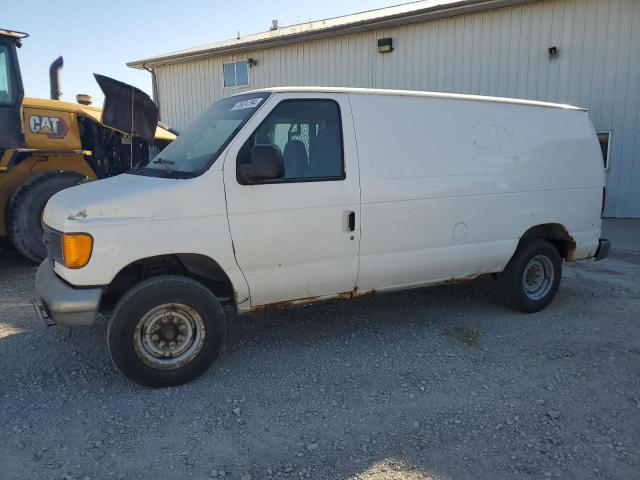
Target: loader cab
11	90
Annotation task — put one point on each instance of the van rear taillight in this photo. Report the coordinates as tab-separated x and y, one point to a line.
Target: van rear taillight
604	197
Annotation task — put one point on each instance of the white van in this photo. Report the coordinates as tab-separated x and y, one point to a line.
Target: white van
290	195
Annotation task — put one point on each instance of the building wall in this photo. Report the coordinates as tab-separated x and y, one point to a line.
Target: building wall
501	52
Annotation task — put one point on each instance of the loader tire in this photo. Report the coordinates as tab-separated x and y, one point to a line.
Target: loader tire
25	207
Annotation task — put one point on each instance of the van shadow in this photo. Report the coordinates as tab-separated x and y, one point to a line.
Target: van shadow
427	307
439	311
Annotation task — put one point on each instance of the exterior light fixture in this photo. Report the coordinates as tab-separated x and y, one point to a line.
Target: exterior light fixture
252	62
385	45
553	52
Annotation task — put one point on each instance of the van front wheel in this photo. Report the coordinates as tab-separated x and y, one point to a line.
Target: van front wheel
166	331
532	276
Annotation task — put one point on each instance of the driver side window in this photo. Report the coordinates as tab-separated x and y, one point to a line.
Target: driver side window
6	86
309	135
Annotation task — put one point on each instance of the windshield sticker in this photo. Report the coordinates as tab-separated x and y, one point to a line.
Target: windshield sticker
251	103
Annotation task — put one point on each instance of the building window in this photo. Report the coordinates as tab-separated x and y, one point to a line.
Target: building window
603	138
236	74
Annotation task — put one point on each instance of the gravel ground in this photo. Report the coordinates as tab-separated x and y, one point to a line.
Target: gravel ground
437	383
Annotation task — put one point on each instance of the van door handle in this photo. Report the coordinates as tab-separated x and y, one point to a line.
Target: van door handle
352	221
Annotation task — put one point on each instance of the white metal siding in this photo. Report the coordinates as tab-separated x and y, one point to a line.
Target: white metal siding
501	52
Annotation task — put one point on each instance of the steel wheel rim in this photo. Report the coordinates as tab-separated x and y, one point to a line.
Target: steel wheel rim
169	336
538	277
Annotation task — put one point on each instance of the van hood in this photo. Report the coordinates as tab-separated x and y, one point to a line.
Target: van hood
124	198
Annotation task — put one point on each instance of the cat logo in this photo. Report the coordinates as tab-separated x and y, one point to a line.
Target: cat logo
52	127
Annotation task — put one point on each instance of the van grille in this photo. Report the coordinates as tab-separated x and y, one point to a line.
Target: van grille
53	244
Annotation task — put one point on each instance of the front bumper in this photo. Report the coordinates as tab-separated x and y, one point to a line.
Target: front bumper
603	249
59	303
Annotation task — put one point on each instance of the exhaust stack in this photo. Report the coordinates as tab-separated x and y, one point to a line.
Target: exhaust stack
54	78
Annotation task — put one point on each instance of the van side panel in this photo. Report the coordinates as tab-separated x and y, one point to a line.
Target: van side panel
450	185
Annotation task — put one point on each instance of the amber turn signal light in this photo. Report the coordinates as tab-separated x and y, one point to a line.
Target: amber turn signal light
76	249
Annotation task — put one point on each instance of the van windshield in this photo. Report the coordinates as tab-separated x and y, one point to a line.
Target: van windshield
198	147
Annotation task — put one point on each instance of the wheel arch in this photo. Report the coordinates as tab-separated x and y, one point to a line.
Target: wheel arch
193	265
555	233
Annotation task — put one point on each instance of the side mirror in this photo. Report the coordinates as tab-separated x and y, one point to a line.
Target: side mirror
266	164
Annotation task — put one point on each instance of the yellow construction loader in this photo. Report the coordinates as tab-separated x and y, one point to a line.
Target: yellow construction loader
47	145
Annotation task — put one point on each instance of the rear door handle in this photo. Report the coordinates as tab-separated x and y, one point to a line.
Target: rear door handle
352	221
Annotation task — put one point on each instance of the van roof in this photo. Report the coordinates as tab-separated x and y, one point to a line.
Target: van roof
415	93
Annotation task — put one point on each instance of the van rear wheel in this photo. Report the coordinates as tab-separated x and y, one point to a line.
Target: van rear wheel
166	331
532	277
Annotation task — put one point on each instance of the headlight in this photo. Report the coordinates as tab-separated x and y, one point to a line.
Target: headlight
76	249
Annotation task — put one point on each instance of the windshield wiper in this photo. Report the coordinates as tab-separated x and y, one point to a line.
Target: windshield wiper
170	172
161	161
165	172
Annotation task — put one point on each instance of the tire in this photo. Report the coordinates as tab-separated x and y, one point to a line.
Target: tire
24	210
532	277
153	314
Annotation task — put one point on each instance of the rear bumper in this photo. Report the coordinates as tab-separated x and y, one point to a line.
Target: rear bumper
59	303
603	249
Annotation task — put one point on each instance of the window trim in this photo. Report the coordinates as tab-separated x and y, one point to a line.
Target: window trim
302	179
235	74
608	134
